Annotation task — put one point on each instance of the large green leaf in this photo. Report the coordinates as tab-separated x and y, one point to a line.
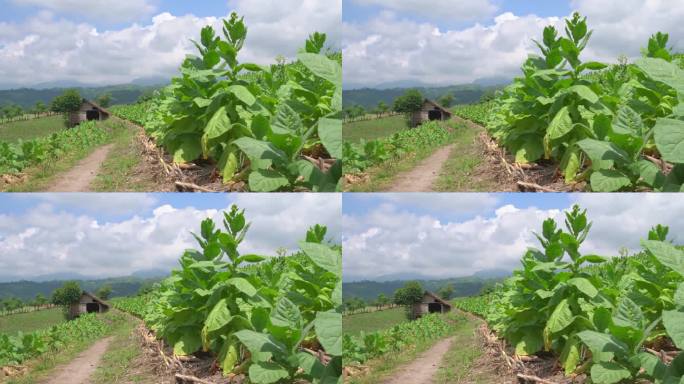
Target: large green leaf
628	314
674	325
260	345
188	343
561	124
242	285
322	66
529	148
603	346
669	138
609	373
186	148
330	132
218	125
266	180
585	286
603	154
560	318
584	92
262	154
264	372
529	343
218	317
243	94
663	71
667	254
329	331
609	180
628	122
286	314
323	256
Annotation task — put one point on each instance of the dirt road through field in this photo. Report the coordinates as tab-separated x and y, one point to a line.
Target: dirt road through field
423	369
79	370
78	178
422	178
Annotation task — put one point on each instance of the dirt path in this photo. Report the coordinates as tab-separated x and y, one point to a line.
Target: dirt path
79	370
422	177
423	369
78	179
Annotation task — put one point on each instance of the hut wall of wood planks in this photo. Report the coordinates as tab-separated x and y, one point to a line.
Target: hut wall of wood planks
89	111
88	303
431	111
431	303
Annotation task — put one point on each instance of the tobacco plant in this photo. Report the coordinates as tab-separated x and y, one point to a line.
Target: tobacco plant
255	122
278	309
618	127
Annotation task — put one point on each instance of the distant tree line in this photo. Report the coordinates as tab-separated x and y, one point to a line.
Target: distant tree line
411	293
69	101
69	293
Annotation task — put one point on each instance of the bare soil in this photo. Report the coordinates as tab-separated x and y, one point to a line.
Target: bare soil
423	369
423	177
79	370
78	179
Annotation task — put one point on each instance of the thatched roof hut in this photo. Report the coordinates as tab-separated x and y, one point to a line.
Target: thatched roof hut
88	303
431	111
431	303
89	111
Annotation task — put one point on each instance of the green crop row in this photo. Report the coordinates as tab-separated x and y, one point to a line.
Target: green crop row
612	126
597	314
137	306
17	349
361	156
136	113
478	305
15	157
268	317
267	125
478	113
359	349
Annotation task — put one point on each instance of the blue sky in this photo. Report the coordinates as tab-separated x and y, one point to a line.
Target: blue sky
98	42
439	206
449	235
16	11
352	11
123	205
119	234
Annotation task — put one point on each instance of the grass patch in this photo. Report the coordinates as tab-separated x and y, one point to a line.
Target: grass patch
40	176
457	174
32	321
373	129
122	351
373	321
117	173
31	129
457	362
42	366
383	366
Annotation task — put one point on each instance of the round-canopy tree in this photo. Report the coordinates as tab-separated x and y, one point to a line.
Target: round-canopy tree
67	102
67	294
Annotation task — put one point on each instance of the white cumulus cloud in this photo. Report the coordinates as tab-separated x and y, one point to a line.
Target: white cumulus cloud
389	239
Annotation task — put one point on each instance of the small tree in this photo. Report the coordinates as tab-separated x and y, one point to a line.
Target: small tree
68	102
104	100
382	108
411	101
446	292
447	100
104	291
40	300
382	300
69	293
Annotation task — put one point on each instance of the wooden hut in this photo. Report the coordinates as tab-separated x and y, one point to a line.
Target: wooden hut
431	303
88	303
89	111
431	111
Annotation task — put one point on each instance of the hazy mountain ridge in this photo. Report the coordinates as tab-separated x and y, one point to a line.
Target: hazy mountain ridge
370	97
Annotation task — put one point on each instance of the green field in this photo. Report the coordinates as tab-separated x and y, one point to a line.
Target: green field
373	321
30	129
372	129
32	321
